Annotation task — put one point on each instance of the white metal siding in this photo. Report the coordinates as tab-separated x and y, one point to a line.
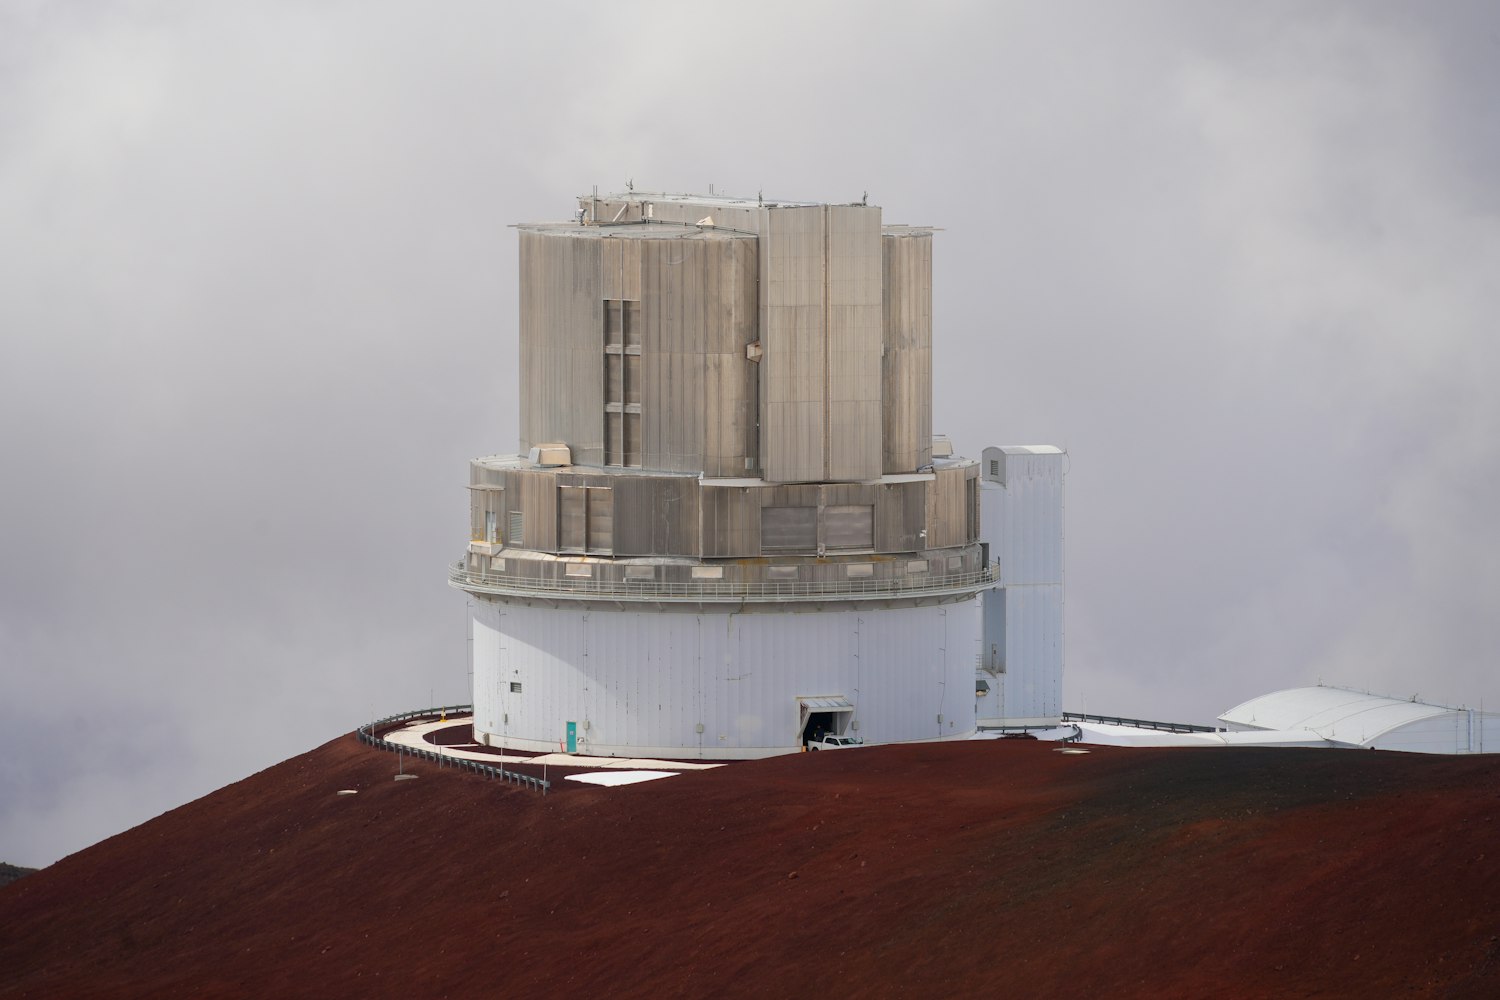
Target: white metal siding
1026	626
644	681
1446	733
1021	519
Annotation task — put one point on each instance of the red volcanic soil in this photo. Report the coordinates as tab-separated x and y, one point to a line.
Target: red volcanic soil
960	868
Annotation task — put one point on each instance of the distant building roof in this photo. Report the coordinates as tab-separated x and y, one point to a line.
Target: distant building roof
1354	718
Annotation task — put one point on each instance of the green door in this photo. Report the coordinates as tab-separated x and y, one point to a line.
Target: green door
572	737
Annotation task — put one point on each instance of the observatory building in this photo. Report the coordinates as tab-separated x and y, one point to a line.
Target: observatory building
730	526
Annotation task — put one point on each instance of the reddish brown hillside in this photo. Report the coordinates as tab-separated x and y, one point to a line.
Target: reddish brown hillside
961	869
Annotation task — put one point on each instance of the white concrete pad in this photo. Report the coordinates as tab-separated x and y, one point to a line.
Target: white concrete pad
613	778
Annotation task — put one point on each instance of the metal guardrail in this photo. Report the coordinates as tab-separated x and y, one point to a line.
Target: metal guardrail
367	732
717	590
1161	727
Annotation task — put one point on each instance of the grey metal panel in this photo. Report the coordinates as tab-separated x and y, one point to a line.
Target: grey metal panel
632	389
849	526
907	365
572	516
611	270
821	322
947	523
671	373
614	378
853	307
655	516
793	529
635	506
601	519
730	523
614	446
632	315
792	383
561	327
620	262
538	496
632	438
901	517
698	313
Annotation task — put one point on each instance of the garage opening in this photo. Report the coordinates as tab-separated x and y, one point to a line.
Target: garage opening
825	715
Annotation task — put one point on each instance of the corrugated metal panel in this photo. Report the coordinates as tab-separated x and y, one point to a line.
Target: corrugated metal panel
907	365
614	440
730	526
601	520
614	379
538	495
620	268
572	517
946	512
655	516
854	330
901	518
847	527
561	324
793	339
821	322
696	384
792	529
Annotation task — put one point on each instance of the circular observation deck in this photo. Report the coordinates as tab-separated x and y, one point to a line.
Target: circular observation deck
894	590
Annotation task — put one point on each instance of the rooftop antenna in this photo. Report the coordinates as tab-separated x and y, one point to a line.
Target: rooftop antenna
864	199
759	200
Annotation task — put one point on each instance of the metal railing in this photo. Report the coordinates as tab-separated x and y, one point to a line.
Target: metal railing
1161	727
720	590
367	734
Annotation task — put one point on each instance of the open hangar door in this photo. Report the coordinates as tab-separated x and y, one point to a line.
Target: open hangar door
823	715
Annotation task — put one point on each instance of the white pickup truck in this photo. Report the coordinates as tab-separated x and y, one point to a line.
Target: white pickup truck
835	743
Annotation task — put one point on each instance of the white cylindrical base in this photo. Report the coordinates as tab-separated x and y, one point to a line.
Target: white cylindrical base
718	685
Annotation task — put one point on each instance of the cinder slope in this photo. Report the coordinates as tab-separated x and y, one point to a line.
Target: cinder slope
965	868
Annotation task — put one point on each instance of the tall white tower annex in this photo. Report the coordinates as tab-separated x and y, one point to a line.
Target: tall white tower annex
727	527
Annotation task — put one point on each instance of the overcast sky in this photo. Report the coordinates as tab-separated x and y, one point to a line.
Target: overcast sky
258	309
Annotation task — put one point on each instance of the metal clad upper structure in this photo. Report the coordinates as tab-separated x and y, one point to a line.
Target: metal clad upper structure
818	278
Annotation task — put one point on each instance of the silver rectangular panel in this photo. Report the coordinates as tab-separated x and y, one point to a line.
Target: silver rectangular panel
601	519
572	518
789	529
849	527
